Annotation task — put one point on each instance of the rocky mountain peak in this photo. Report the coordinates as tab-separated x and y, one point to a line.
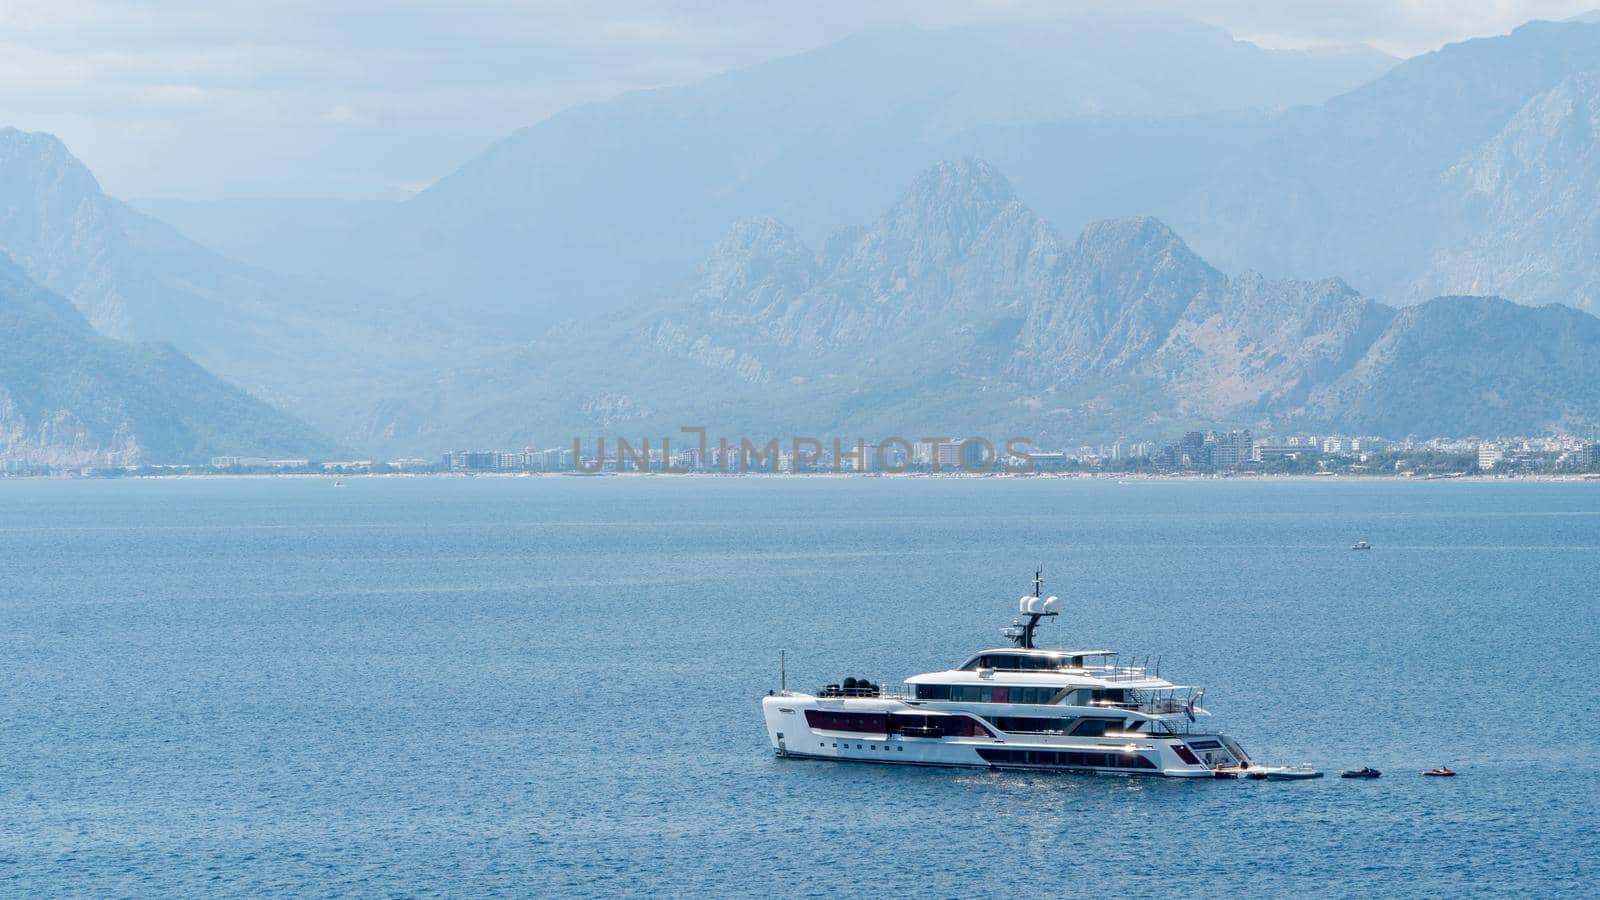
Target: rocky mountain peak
1142	243
932	224
1523	205
953	200
45	157
55	223
1554	133
39	168
757	236
759	261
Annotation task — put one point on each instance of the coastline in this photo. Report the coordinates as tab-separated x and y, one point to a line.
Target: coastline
1125	478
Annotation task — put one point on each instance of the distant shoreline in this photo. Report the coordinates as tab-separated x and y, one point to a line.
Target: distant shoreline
830	476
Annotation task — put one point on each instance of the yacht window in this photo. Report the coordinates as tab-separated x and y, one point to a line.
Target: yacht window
1031	724
973	693
1065	758
963	726
1016	662
865	723
1094	727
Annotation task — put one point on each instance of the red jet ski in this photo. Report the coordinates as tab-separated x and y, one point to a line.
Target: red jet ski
1440	772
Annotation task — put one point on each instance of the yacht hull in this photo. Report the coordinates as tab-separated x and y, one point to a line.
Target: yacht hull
795	734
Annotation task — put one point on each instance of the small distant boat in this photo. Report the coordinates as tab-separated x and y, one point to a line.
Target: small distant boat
1361	545
1363	772
1282	773
1440	772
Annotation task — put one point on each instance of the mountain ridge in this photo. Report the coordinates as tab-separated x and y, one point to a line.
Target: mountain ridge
522	220
70	396
571	212
317	348
1125	331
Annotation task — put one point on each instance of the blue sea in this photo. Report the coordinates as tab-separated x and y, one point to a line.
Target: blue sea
545	686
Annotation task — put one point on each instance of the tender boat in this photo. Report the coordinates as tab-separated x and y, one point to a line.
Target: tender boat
1017	707
1441	772
1361	545
1363	772
1283	773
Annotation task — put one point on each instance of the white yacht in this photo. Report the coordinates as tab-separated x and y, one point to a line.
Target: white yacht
1017	707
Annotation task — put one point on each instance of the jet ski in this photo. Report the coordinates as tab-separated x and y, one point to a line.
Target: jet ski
1440	772
1363	772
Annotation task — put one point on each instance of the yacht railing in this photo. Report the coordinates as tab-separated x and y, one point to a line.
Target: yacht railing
876	692
1119	673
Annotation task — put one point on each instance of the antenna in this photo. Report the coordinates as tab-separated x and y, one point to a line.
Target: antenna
1035	608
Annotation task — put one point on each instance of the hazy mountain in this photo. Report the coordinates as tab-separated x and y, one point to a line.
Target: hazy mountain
1468	170
1354	186
1524	206
958	308
70	396
1472	365
606	201
316	348
1386	183
1408	186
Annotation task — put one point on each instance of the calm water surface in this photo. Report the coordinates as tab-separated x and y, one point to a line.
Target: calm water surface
535	686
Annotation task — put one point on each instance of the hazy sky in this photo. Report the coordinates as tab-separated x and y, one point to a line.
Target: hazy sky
206	98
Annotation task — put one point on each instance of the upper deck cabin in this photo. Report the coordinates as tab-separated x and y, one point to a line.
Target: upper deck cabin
1035	676
1018	659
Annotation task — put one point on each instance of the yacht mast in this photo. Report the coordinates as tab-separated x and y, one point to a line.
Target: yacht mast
1035	608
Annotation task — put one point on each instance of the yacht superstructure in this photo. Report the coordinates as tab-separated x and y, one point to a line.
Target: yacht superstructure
1016	707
